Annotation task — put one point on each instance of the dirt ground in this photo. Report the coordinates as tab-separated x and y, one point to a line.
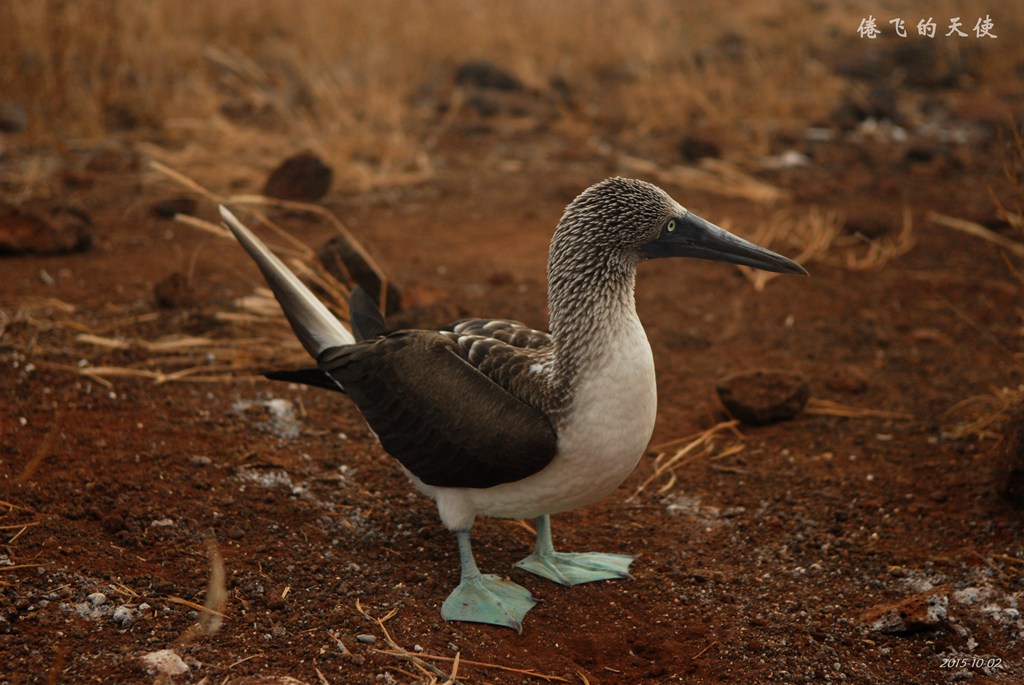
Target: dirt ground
867	540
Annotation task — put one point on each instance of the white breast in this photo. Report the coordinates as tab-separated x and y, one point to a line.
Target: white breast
601	438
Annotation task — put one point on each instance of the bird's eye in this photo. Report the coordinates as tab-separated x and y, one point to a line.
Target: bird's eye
671	225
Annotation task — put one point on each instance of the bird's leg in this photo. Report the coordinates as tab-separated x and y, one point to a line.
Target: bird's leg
485	598
570	568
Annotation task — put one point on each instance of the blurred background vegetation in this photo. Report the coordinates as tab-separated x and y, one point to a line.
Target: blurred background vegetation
369	85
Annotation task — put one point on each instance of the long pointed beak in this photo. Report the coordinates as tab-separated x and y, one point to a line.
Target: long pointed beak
690	236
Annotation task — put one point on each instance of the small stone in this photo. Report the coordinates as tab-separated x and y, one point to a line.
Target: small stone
113	160
694	149
301	178
164	662
486	75
764	396
366	639
200	460
1010	458
926	611
37	228
96	599
13	117
174	292
170	207
124	616
850	380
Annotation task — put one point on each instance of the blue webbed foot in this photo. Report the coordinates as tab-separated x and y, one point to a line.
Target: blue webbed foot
481	598
488	599
571	568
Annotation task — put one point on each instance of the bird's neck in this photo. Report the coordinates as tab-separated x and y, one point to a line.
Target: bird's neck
591	306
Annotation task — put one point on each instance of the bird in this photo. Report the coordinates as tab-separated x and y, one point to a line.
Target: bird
489	417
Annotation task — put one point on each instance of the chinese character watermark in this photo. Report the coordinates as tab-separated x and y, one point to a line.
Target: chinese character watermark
984	28
869	28
954	27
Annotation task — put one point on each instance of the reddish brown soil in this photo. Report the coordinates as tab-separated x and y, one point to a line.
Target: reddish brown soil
767	565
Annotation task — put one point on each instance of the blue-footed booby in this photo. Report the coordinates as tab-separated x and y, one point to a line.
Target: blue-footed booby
493	418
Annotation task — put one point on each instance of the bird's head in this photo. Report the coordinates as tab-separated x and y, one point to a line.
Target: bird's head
635	220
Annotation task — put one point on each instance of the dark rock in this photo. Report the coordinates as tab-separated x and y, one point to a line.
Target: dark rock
486	75
113	160
174	292
13	117
764	396
1010	461
300	178
693	149
851	380
926	611
348	266
172	206
870	224
37	228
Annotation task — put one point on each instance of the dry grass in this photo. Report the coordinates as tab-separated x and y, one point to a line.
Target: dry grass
983	416
805	236
362	82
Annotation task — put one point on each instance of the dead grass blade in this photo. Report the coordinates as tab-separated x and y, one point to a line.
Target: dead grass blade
812	233
714	175
820	407
45	449
211	612
12	507
420	659
982	412
12	526
881	252
978	231
297	247
687	450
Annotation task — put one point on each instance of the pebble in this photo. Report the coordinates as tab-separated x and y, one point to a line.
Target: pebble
96	599
164	662
124	616
174	292
34	227
764	396
366	639
303	178
13	116
922	612
170	207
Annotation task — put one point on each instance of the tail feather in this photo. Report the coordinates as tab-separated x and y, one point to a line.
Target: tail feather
318	378
314	325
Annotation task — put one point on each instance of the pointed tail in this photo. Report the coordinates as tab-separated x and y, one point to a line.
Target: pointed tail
314	325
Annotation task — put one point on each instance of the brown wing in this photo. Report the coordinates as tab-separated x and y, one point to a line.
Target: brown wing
446	422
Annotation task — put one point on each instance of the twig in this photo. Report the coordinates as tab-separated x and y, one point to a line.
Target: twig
45	449
181	600
692	448
978	231
418	659
829	408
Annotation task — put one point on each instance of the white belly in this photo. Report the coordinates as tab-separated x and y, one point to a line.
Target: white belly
600	440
